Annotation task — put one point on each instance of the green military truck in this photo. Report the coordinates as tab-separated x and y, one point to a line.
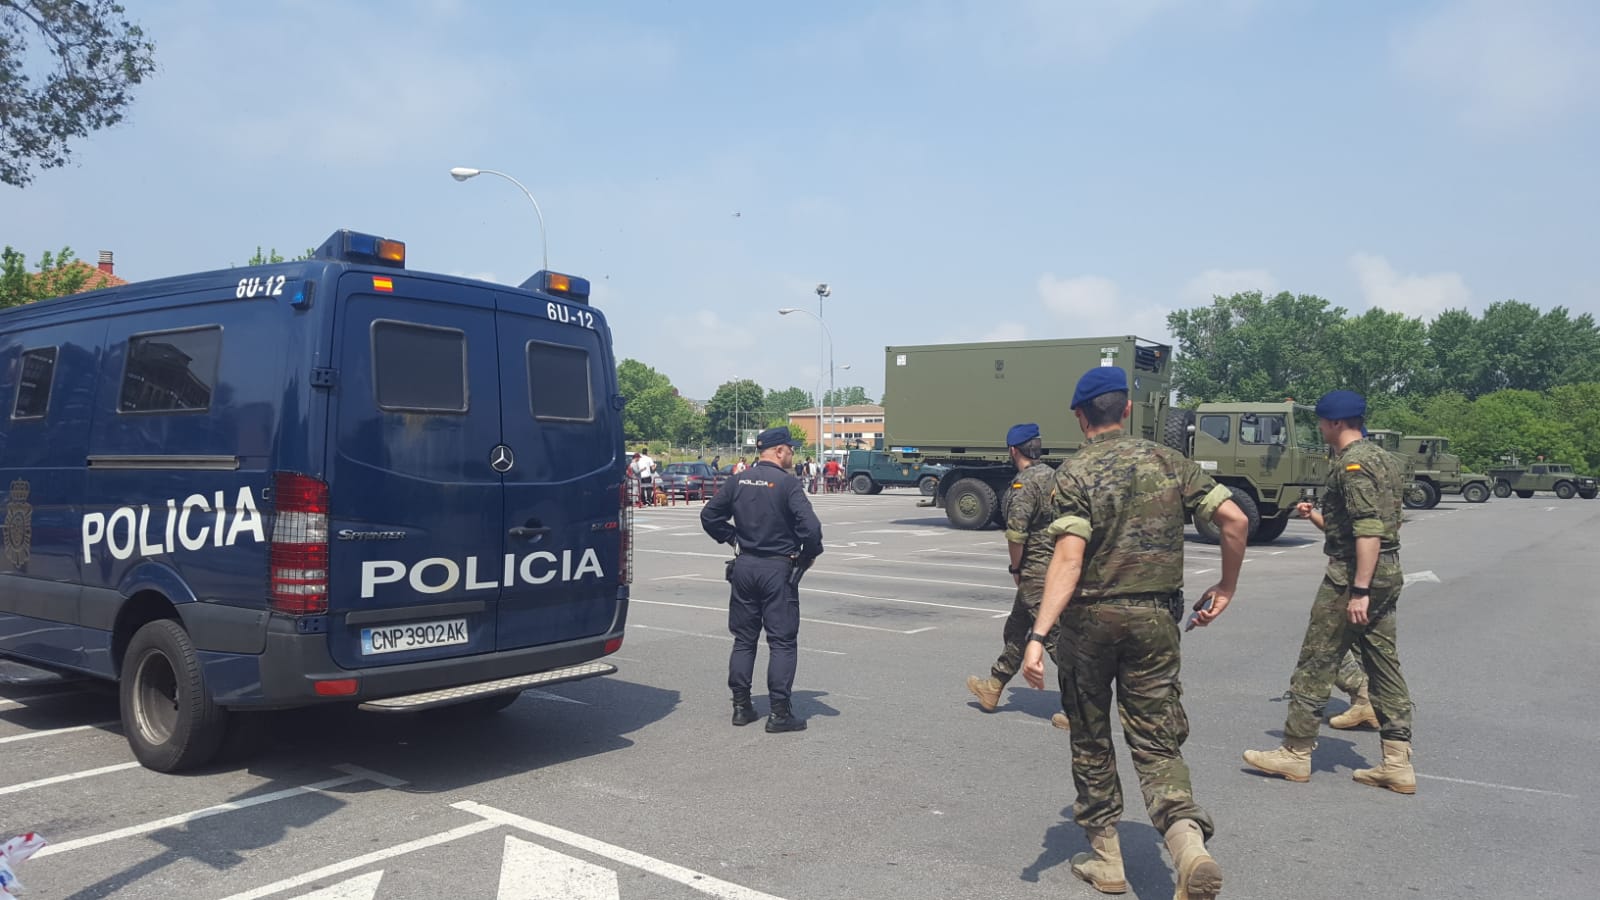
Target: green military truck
1433	470
1523	480
952	404
870	471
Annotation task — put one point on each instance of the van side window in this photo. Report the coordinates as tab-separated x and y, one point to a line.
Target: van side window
33	387
171	371
558	382
419	368
1216	426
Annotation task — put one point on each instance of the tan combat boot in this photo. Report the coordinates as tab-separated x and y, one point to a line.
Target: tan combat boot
1359	713
987	690
1395	773
1061	721
1102	867
1292	760
1199	876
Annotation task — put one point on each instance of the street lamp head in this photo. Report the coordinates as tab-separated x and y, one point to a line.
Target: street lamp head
786	310
462	173
844	365
823	290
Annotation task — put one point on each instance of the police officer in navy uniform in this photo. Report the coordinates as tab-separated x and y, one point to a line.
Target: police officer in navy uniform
778	536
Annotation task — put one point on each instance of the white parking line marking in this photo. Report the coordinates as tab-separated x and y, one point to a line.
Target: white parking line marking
717	609
537	694
988	587
724	637
356	773
990	555
531	872
361	887
359	862
52	732
1503	787
982	609
28	700
918	562
57	779
705	884
1424	575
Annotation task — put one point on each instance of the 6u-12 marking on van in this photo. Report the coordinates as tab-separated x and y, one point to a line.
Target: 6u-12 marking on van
568	316
271	286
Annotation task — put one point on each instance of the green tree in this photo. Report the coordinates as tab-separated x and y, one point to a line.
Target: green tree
273	256
98	57
846	396
654	410
1455	358
736	406
56	277
1252	347
788	400
1380	353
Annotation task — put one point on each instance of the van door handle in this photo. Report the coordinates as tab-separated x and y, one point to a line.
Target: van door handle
524	533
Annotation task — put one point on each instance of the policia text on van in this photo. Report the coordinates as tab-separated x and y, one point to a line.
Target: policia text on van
314	481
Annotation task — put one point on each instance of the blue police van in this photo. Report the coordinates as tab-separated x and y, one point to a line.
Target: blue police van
330	480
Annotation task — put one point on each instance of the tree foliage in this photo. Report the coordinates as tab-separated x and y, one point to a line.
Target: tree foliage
736	407
787	400
273	256
57	276
654	411
98	57
846	396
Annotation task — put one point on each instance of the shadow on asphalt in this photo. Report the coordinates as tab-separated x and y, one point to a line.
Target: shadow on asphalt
1142	860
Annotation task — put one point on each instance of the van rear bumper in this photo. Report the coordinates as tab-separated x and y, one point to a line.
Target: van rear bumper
291	665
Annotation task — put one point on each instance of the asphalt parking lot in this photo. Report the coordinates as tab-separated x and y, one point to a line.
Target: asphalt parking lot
636	786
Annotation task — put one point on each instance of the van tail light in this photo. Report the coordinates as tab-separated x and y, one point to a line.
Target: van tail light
624	536
299	553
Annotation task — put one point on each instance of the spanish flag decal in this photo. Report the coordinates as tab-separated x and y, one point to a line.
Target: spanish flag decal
1353	467
1017	485
382	284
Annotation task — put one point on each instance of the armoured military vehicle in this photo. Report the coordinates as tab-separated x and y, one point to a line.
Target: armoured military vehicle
1432	470
1523	480
870	471
952	404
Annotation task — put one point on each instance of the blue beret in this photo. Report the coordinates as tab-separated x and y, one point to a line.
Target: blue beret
1099	380
1341	405
774	437
1021	434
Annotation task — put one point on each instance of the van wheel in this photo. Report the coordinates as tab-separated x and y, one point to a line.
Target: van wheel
1502	489
1475	492
1565	490
928	485
167	712
1211	534
861	484
970	504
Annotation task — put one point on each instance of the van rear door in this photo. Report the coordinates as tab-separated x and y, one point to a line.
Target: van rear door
416	509
563	474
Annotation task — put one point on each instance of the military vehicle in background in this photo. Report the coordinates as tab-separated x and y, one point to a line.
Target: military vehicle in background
1523	480
953	403
870	471
1433	471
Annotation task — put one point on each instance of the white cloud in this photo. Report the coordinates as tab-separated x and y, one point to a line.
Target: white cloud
1006	331
1505	65
1423	296
1093	306
1200	289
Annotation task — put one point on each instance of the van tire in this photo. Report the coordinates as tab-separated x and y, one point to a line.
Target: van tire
1502	489
1175	430
168	715
970	504
1476	492
929	485
861	483
1211	534
1565	490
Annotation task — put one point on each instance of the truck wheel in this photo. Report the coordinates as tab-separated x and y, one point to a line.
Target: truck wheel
1419	495
1524	494
1271	529
1565	490
1433	495
970	504
168	714
1476	492
1175	430
1209	532
1502	489
1588	494
861	483
928	485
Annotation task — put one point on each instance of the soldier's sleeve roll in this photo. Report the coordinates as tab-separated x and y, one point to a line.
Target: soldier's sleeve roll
1020	512
1072	514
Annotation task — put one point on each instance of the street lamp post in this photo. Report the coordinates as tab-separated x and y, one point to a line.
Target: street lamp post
828	366
462	173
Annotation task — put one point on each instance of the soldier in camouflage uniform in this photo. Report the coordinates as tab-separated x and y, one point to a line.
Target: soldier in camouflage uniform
1117	571
1355	606
1028	513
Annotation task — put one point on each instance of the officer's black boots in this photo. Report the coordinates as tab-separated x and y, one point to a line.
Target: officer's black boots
783	720
743	711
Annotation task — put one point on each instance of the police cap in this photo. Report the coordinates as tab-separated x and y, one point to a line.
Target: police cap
1342	405
1021	434
1099	380
775	437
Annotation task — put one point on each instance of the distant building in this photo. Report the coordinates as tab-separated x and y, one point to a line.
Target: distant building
97	277
841	428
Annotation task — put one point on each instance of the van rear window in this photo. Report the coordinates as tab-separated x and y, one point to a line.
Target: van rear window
558	382
171	371
420	368
33	387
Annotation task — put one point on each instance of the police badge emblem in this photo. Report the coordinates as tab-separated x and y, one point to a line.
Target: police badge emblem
19	525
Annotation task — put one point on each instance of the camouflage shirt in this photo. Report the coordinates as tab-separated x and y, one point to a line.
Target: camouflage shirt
1126	497
1362	499
1030	512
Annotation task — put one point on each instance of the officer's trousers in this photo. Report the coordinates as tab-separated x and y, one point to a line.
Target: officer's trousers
763	598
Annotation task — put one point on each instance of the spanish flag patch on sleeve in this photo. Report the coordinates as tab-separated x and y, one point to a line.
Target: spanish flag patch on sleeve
1353	467
1016	485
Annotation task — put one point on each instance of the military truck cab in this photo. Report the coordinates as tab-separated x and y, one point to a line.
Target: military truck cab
1270	455
331	480
1557	478
1434	465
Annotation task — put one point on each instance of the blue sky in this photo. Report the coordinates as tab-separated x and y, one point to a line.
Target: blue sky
954	170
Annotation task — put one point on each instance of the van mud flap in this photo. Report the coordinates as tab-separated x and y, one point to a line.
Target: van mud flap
451	696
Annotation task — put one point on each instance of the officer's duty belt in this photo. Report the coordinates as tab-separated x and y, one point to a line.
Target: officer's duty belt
756	554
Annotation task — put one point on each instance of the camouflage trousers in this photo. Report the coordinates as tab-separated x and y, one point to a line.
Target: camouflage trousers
1134	645
1024	616
1330	636
1351	678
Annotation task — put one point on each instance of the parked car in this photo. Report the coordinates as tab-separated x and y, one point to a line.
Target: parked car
689	480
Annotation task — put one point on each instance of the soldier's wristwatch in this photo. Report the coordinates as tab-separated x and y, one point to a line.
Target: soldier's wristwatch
1360	591
1036	636
1014	570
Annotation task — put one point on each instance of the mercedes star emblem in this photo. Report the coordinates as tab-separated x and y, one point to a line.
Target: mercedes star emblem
500	458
